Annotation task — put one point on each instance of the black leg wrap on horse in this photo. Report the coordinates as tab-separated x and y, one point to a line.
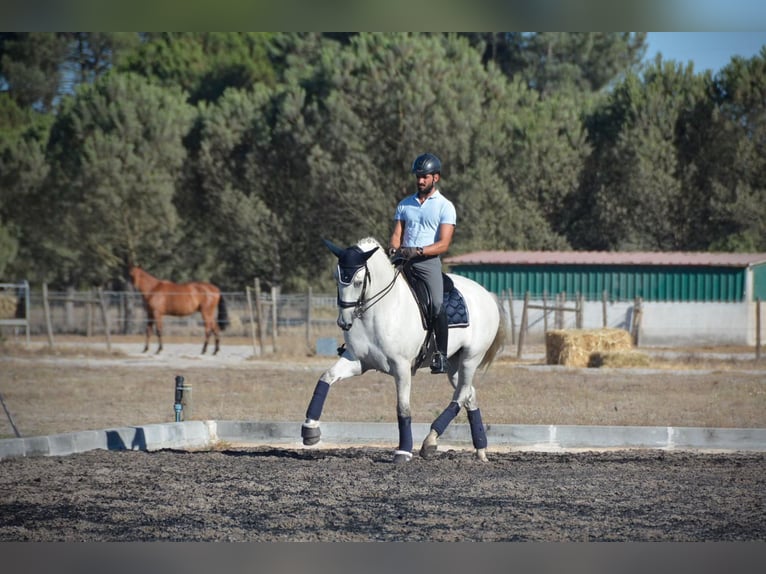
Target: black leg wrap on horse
444	419
405	433
478	434
317	400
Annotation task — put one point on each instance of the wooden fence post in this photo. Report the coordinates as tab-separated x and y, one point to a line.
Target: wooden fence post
603	309
308	319
47	311
636	327
560	302
758	329
523	326
259	314
249	296
274	318
513	321
105	317
88	314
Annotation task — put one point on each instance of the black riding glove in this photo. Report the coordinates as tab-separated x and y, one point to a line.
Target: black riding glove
408	252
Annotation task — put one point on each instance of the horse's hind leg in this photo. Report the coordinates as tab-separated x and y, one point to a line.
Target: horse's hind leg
430	444
217	335
212	331
461	377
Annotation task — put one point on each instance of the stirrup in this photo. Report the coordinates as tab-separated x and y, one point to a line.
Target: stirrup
439	364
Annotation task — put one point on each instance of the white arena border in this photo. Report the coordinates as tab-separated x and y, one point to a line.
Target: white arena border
212	434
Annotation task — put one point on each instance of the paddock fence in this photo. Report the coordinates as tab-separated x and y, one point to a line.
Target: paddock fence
271	320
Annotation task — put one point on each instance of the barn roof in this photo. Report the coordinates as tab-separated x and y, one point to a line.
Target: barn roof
674	258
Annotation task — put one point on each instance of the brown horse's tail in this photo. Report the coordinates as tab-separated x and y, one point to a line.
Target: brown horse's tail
223	314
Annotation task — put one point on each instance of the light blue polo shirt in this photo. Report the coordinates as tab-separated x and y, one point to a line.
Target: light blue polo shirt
421	222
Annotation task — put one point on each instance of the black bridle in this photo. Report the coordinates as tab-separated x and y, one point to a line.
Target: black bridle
362	304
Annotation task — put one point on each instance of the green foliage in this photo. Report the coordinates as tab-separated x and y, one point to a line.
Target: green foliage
204	64
631	197
228	156
23	136
31	65
550	62
115	152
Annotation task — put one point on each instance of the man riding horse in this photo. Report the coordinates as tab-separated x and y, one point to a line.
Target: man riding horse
423	227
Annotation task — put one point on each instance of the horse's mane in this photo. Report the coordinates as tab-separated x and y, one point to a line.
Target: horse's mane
368	241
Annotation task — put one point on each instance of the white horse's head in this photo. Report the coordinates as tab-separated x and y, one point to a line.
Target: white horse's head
354	278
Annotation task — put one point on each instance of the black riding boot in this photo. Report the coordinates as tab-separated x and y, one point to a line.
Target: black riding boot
439	362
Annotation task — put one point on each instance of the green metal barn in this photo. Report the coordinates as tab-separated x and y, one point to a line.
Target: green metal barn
622	276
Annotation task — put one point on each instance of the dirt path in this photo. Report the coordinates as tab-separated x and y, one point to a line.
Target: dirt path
357	494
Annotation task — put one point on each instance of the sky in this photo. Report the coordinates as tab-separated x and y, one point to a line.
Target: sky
708	50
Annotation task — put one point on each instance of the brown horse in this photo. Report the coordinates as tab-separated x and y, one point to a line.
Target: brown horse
179	299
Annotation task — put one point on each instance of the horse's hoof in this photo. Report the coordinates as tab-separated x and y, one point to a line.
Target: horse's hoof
402	456
310	435
481	454
429	445
428	451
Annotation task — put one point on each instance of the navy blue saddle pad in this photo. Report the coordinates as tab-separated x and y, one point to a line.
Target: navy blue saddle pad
457	312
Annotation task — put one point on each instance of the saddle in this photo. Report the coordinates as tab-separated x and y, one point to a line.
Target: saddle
454	305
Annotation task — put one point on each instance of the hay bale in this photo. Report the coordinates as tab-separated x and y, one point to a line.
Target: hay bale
7	306
573	347
619	359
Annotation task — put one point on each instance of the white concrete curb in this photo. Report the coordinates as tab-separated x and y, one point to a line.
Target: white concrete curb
210	434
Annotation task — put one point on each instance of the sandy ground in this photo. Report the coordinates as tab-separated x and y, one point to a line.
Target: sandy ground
275	493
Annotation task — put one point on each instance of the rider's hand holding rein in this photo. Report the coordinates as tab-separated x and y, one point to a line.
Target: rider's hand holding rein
406	253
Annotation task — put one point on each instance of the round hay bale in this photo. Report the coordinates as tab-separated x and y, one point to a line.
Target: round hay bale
573	347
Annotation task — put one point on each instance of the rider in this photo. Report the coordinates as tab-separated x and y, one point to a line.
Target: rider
423	227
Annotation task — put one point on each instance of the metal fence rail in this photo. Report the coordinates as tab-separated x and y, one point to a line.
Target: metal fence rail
104	313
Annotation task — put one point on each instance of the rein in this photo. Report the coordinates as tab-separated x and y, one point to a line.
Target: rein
362	305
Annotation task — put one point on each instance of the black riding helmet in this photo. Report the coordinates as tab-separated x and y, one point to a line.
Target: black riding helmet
426	163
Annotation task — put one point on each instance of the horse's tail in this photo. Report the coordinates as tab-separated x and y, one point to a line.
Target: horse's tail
223	314
499	341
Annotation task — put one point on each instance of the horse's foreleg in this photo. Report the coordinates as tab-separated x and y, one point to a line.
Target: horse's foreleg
158	328
345	367
148	331
403	377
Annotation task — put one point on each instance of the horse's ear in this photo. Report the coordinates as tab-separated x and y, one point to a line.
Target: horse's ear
332	247
369	253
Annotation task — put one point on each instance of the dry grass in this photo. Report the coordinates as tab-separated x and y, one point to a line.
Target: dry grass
71	390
